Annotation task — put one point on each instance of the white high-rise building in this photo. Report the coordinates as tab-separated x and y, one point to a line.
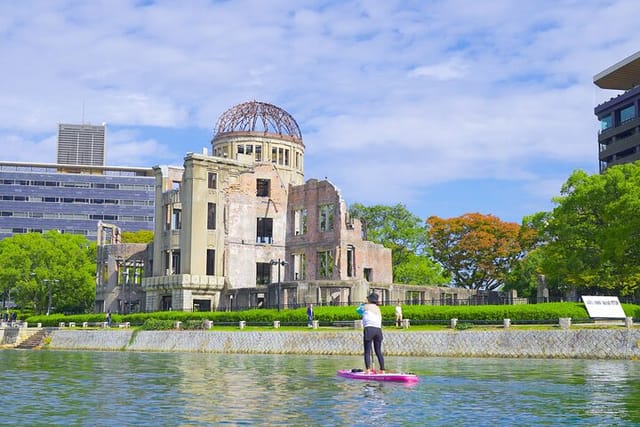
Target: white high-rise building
81	144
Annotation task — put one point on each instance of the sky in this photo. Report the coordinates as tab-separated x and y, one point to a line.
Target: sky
447	107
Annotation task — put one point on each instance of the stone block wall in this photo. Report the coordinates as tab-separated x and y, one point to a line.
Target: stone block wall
622	343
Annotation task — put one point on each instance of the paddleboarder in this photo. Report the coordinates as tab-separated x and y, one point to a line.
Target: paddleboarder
372	336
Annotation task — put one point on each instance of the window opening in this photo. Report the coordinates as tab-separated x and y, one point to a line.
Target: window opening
263	187
212	180
325	265
326	218
264	230
211	216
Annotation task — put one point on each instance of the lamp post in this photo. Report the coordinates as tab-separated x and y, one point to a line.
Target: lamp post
279	263
125	275
136	279
49	282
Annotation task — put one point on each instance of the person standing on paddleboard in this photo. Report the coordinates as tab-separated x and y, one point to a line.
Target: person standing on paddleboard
372	322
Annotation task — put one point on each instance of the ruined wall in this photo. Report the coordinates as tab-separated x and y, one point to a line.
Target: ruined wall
345	237
243	210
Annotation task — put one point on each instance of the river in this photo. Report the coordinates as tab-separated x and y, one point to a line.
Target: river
78	388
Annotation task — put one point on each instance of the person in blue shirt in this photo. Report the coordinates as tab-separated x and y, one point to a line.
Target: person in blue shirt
372	336
310	315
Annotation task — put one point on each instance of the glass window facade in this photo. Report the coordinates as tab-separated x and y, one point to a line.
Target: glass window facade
628	113
39	199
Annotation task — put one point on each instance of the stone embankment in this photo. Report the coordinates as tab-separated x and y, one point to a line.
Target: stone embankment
606	343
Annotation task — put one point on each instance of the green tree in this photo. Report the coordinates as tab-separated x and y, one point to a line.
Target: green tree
523	276
478	250
396	228
34	266
591	240
140	236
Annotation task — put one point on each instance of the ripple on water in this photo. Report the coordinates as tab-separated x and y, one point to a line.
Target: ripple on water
128	388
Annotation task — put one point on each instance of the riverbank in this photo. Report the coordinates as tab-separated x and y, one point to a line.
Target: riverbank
610	343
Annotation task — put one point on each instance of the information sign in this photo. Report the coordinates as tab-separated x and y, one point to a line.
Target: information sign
601	307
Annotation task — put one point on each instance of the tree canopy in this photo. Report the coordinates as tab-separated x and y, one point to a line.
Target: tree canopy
405	234
140	236
477	250
33	263
590	242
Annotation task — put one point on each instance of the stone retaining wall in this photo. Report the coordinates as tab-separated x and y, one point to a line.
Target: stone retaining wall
571	343
10	337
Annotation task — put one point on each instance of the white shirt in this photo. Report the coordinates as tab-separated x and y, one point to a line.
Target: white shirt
371	316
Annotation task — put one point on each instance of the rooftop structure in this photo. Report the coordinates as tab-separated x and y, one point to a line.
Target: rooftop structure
619	135
81	144
623	75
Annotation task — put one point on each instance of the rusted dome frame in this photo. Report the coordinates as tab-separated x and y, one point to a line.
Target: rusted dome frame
247	116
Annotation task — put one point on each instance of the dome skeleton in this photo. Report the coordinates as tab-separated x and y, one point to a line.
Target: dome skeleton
249	116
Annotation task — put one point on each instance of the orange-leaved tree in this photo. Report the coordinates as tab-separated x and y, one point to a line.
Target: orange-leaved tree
477	250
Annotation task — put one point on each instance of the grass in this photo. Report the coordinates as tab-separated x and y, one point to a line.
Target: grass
417	328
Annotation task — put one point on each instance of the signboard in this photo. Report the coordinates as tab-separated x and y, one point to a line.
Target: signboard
603	307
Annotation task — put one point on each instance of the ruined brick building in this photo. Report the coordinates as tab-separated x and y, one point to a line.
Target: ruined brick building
241	228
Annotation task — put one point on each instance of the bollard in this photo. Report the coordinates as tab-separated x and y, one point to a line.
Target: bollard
72	324
276	324
208	324
105	324
454	323
39	325
357	324
506	323
242	324
177	324
85	324
405	323
61	325
315	324
628	322
565	322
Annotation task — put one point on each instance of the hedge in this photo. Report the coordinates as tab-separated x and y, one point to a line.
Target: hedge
523	313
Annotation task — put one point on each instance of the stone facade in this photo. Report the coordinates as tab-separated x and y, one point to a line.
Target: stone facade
241	228
621	343
121	268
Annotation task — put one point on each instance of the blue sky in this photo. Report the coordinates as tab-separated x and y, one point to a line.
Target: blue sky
447	107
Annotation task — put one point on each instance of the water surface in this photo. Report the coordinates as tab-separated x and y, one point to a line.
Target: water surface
187	389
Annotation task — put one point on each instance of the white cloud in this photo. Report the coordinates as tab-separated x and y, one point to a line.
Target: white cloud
128	148
426	93
450	70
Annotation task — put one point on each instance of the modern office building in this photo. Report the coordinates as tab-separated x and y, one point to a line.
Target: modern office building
619	135
38	197
81	144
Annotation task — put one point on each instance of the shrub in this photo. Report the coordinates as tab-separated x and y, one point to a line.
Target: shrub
157	324
525	313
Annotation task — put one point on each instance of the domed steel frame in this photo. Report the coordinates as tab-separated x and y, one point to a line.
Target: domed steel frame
249	116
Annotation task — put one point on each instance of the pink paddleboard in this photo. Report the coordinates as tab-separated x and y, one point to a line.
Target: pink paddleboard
387	376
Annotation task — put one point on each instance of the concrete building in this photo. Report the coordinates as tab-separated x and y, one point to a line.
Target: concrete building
38	197
121	267
81	144
619	136
241	228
